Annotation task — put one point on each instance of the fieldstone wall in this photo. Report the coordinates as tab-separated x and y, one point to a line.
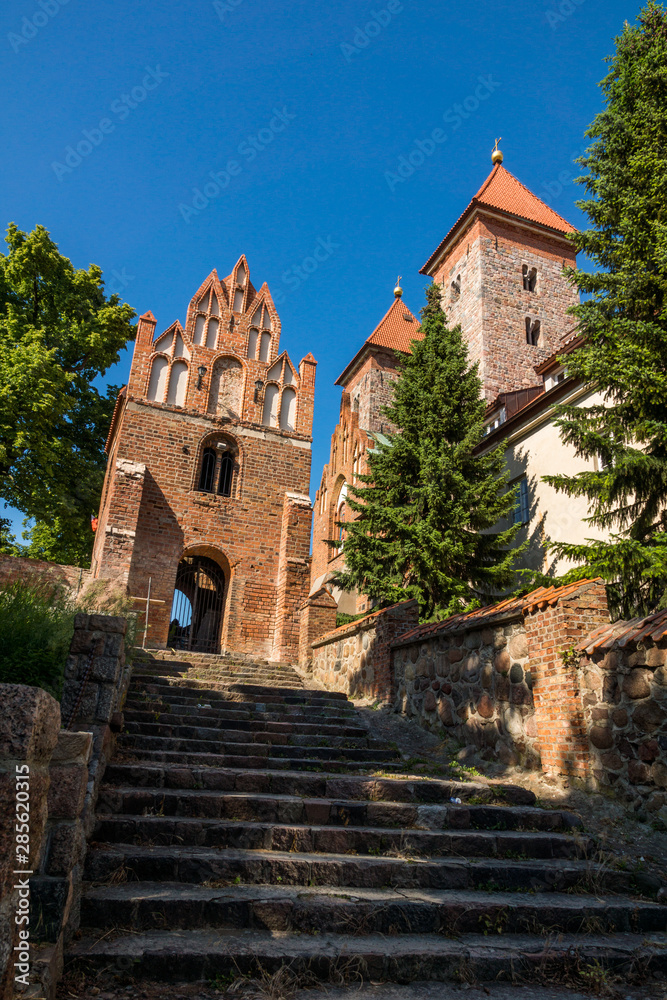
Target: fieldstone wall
473	684
625	711
356	658
317	616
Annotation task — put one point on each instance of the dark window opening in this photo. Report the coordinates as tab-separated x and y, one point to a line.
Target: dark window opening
532	331
529	278
521	513
226	476
456	288
207	471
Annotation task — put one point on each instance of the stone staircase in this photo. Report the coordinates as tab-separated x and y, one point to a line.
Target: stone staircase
247	823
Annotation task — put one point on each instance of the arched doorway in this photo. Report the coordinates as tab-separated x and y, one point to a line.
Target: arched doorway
196	613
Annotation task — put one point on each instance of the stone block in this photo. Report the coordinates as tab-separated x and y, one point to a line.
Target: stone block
67	790
637	684
655	656
659	774
429	702
48	905
638	772
486	676
648	716
516	673
106	669
619	717
648	751
601	738
473	640
66	844
485	707
446	713
108	623
518	646
29	723
612	760
72	748
503	662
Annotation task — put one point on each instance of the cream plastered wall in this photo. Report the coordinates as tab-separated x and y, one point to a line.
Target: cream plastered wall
535	449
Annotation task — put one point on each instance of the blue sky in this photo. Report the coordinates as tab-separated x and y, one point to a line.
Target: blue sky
314	105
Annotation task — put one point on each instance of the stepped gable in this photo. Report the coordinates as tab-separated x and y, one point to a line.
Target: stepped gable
504	192
247	823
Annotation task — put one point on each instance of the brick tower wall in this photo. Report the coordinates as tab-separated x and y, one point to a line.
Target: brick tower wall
492	305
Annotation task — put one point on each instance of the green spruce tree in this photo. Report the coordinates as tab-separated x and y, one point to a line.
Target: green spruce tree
624	324
427	507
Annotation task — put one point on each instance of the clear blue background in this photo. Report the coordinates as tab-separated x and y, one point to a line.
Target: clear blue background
357	110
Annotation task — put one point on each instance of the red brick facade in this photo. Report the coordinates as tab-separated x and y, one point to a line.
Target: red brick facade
216	395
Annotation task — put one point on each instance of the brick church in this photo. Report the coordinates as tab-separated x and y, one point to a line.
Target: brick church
206	492
500	268
206	496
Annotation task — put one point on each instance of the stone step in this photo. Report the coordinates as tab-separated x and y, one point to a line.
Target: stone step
251	763
248	711
241	675
283	782
369	755
254	723
154	906
190	689
202	954
115	863
265	808
245	736
160	828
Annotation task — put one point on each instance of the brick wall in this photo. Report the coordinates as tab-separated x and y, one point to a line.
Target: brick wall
72	578
153	512
492	305
356	658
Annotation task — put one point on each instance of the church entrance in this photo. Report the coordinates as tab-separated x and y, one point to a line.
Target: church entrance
196	613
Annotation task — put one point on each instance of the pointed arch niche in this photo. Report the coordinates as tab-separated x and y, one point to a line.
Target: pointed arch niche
226	392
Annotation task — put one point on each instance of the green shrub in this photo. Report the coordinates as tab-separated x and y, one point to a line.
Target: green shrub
36	628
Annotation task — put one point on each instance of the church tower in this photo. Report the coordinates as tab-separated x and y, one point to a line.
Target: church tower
500	267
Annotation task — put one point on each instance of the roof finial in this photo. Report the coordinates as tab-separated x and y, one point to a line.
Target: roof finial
398	291
496	155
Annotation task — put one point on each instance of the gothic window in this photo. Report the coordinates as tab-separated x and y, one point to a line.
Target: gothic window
212	333
456	288
226	475
264	346
178	384
288	410
200	323
158	379
252	344
532	331
529	278
207	475
270	413
521	512
342	511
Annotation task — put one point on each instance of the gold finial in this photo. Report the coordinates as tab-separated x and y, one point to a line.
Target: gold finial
398	291
496	155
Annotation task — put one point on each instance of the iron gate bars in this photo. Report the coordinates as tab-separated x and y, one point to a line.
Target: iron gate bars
198	603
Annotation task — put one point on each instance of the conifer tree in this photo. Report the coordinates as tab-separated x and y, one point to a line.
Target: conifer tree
624	323
427	505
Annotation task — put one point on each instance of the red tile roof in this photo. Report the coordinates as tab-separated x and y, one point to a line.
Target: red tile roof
502	191
624	632
540	598
397	328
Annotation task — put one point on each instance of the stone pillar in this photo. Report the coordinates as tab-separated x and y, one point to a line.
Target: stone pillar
553	630
124	502
293	575
29	726
317	616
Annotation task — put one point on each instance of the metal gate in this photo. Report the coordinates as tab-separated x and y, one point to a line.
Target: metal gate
196	614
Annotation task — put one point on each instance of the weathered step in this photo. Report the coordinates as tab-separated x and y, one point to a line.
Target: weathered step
191	687
151	906
233	734
266	808
312	837
251	763
389	789
258	722
368	755
203	954
243	711
122	862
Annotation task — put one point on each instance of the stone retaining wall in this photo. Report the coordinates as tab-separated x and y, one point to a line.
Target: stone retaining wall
356	658
473	684
66	767
13	568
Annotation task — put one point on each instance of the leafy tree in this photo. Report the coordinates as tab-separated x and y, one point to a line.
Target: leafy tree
624	324
58	334
429	502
